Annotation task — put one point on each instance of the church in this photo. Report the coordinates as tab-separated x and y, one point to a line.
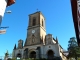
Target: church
38	44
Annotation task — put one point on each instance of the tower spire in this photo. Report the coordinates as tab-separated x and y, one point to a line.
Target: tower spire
56	39
15	47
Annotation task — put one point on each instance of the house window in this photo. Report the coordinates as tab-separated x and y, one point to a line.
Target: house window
34	21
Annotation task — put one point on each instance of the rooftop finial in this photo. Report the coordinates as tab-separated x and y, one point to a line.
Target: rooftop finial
15	47
37	10
56	39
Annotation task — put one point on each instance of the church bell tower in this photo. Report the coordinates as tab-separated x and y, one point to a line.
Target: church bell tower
36	29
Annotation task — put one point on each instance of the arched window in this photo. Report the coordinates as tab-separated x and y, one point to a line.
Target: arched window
33	38
34	21
42	23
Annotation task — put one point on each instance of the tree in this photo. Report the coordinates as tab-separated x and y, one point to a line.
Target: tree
73	48
7	54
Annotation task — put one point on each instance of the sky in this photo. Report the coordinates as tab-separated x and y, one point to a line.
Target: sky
58	15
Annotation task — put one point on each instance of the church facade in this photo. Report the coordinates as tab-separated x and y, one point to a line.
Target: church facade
38	44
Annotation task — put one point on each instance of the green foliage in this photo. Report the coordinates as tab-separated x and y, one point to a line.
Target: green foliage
34	59
78	58
57	58
9	59
43	59
29	59
13	58
72	42
6	54
73	48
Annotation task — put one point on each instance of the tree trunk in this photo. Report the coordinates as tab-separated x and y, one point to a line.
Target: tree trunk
76	57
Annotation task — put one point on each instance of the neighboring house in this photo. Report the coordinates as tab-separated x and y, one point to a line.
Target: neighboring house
3	4
38	44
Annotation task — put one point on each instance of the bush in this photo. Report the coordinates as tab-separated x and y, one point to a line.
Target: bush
43	59
9	59
13	58
57	58
35	59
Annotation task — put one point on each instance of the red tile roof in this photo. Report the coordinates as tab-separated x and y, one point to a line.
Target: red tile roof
10	2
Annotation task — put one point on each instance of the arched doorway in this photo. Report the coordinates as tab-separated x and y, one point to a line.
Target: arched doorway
18	56
33	54
50	54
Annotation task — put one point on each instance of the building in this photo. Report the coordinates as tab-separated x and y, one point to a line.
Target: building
38	44
3	4
75	5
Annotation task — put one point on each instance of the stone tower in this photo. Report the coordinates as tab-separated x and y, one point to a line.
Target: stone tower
20	44
36	29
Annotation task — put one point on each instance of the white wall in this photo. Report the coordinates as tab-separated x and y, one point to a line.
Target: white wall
3	4
45	49
21	51
49	39
61	51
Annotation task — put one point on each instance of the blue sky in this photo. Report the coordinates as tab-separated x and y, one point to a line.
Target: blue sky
58	21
